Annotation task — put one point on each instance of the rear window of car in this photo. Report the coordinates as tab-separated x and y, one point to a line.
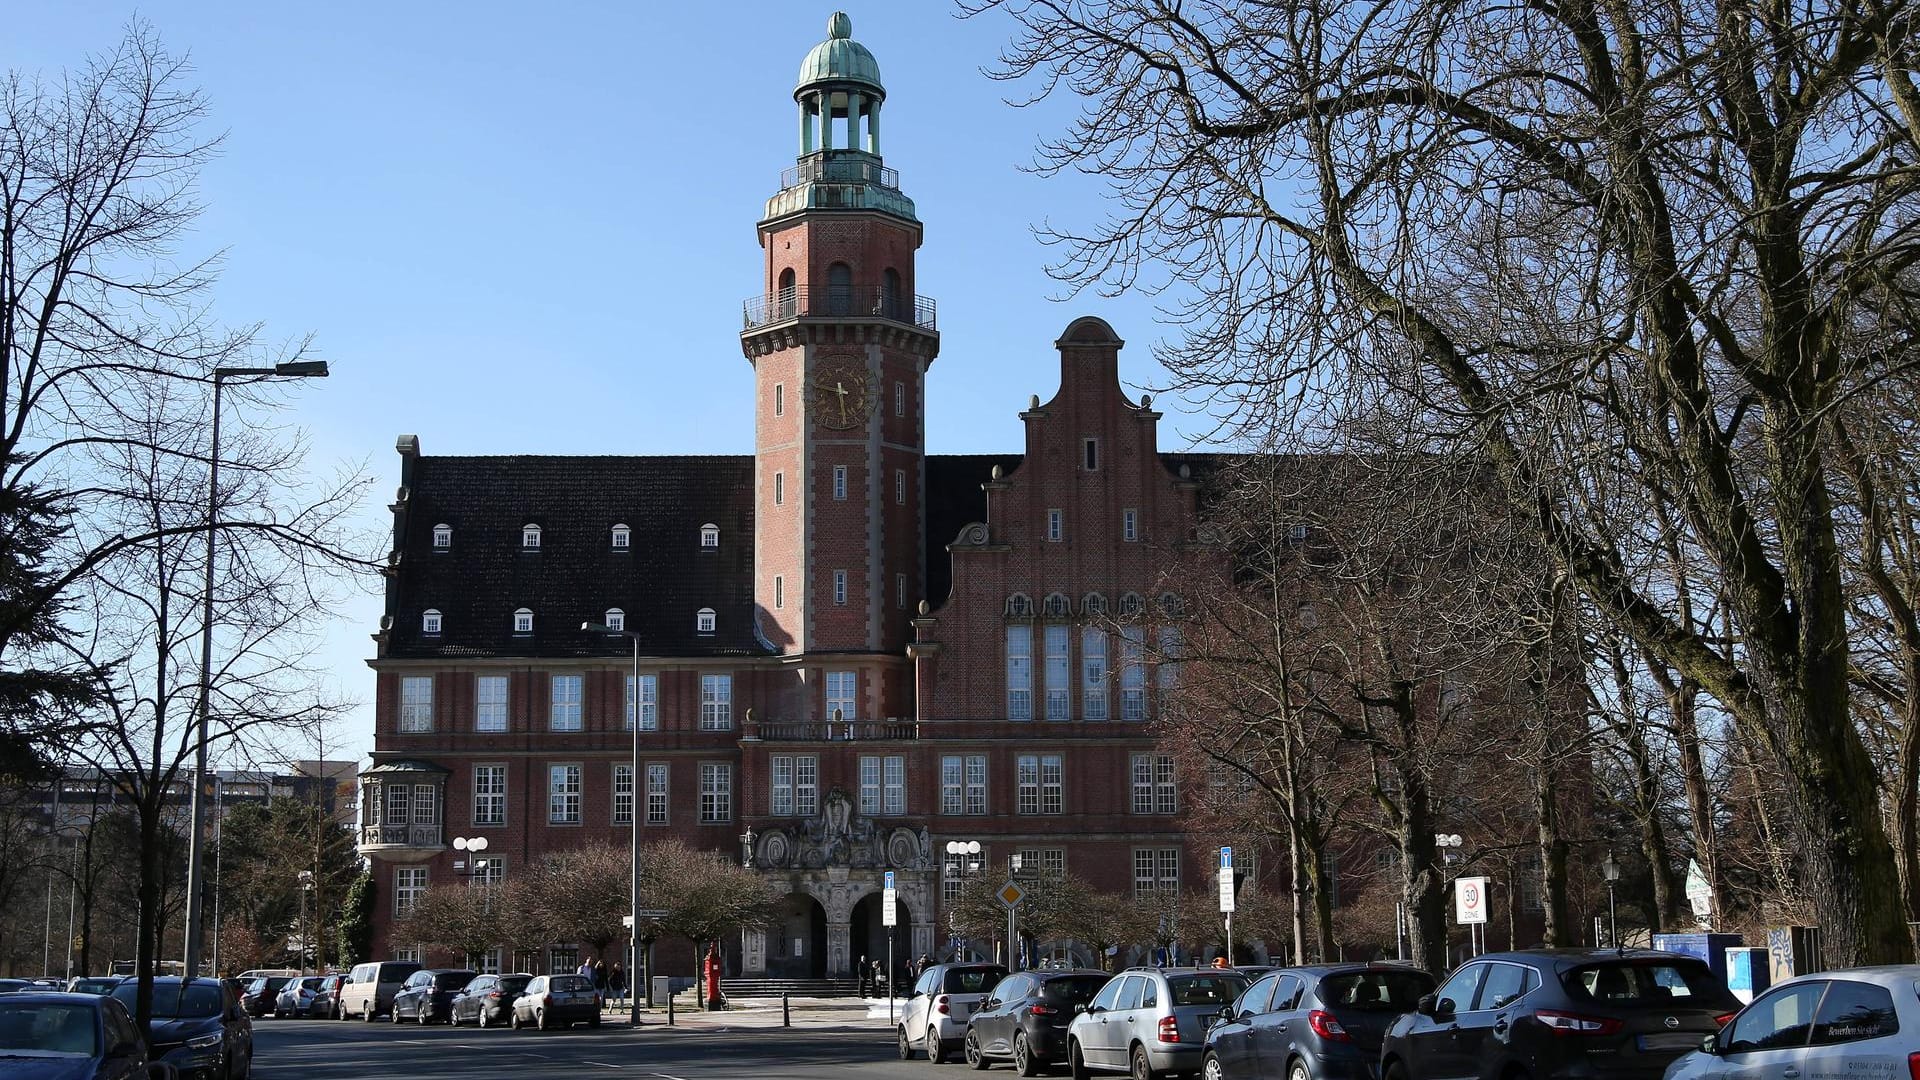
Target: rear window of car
971	980
1641	982
396	971
1219	989
452	980
1072	989
568	982
515	983
1375	991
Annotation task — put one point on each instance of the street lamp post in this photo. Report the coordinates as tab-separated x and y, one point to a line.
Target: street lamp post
1610	870
969	851
306	925
197	820
636	975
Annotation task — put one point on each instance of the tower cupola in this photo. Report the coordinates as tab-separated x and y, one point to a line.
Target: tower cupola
839	81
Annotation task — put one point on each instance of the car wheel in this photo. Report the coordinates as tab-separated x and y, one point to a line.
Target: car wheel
1141	1067
540	1021
1210	1069
425	1015
513	1019
393	1014
1395	1071
482	1018
1076	1065
936	1053
906	1048
975	1060
1023	1062
1298	1070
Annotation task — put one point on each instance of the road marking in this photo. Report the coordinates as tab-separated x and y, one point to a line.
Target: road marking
665	1076
602	1064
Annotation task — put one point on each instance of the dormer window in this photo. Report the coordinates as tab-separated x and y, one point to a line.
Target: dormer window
442	537
709	535
1172	606
1094	606
430	621
529	537
616	619
704	620
1056	606
523	621
1131	605
1019	606
622	538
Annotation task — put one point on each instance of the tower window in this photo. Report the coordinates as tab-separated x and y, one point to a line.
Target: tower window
1130	525
615	619
523	621
779	488
839	586
1090	450
622	538
839	289
839	481
891	302
779	592
430	621
900	487
900	590
1056	525
530	537
442	537
710	535
704	620
779	399
789	297
899	399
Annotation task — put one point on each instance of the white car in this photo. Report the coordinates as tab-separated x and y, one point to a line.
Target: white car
934	1019
1855	1022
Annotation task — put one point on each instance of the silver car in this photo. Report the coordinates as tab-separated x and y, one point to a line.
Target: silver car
1151	1021
1856	1022
934	1019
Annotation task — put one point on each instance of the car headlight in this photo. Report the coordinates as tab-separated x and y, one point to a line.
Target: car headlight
201	1042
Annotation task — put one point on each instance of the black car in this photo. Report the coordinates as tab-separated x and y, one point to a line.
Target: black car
428	994
1560	1012
1024	1018
61	1036
1312	1023
197	1028
488	999
260	996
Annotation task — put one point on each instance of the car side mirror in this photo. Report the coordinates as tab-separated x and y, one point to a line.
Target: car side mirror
1096	1010
1428	1005
1226	1012
1711	1045
1078	1009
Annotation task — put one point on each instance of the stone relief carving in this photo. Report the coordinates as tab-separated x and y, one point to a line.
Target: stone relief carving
840	837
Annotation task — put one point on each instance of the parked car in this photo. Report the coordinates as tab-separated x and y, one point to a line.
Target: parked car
75	1035
1312	1023
260	995
1856	1022
296	998
326	997
557	1001
14	986
488	1000
94	984
198	1028
1148	1021
370	987
1560	1012
1024	1018
428	994
934	1019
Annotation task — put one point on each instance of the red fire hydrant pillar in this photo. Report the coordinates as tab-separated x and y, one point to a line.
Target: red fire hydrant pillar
712	972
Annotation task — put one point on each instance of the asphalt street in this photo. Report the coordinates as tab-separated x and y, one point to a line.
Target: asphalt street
327	1050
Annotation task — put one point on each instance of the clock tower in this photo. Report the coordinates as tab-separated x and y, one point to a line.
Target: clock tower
840	345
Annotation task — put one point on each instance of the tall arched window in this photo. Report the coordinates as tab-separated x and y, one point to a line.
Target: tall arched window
890	300
839	289
788	298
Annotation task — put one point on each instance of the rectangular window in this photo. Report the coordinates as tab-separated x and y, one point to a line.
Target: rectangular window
1133	675
1043	862
656	793
1155	870
1093	674
623	794
1038	784
399	805
963	784
779	592
1130	525
489	794
408	953
839	586
649	703
1167	677
416	703
779	488
954	872
716	703
1090	453
1153	790
883	785
1056	525
716	793
1019	672
900	590
491	962
843	695
424	810
490	704
899	487
1059	672
563	795
408	883
566	703
779	399
899	399
840	481
796	785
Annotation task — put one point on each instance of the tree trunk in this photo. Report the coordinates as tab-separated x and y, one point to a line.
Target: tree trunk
1558	930
146	946
1297	895
1682	702
1422	884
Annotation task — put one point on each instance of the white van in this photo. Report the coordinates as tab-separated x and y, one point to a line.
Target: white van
368	991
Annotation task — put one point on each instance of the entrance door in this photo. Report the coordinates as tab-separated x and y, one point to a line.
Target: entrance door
869	937
797	946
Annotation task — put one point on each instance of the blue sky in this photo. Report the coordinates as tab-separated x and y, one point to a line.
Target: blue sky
525	228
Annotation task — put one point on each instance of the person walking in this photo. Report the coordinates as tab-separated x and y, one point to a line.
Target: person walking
585	970
860	969
600	978
617	983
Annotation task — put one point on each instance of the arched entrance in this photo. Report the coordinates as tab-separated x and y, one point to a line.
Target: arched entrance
798	949
869	935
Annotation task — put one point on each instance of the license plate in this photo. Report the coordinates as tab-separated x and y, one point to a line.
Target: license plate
1677	1040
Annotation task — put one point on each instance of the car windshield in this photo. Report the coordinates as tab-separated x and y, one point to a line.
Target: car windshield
1073	989
42	1028
172	1000
1680	982
452	980
1210	989
971	980
1376	991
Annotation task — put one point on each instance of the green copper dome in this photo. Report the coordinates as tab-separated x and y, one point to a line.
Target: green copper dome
840	60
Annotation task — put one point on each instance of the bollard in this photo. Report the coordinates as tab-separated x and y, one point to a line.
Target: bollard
669	1007
786	1017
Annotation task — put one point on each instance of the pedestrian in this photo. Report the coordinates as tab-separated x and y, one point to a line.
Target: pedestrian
600	977
860	969
585	970
921	965
617	983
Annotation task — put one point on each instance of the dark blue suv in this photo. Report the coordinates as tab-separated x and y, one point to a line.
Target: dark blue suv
1312	1023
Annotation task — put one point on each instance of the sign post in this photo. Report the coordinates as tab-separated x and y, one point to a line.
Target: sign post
1470	906
1226	896
889	919
1010	896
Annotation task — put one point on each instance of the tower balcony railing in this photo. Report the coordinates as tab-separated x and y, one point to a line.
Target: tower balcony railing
839	302
831	168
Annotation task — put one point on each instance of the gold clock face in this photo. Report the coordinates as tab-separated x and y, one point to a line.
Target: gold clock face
841	393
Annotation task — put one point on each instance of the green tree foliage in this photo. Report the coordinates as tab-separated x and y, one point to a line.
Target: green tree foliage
353	934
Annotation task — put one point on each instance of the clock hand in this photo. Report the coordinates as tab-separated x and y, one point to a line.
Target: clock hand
840	389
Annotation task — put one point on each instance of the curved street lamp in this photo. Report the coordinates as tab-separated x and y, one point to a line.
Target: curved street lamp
636	974
1610	870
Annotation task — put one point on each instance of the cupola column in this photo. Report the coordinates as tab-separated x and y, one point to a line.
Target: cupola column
806	126
873	127
854	103
826	120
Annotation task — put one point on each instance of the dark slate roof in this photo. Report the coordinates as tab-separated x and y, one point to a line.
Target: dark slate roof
660	582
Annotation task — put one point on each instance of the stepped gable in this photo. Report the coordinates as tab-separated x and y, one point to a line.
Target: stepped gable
660	581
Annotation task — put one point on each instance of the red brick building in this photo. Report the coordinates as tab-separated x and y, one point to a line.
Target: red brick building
849	650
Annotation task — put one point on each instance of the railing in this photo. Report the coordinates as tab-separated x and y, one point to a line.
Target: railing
400	836
843	171
833	730
839	302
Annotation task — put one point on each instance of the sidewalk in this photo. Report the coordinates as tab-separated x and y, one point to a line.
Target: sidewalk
805	1013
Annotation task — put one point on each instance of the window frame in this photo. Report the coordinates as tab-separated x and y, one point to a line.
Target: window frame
487	796
442	537
483	703
566	714
415	706
564	793
522	622
716	792
716	701
1056	525
530	537
621	538
431	622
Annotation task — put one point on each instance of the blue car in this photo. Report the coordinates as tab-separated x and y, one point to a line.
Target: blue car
61	1036
198	1027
